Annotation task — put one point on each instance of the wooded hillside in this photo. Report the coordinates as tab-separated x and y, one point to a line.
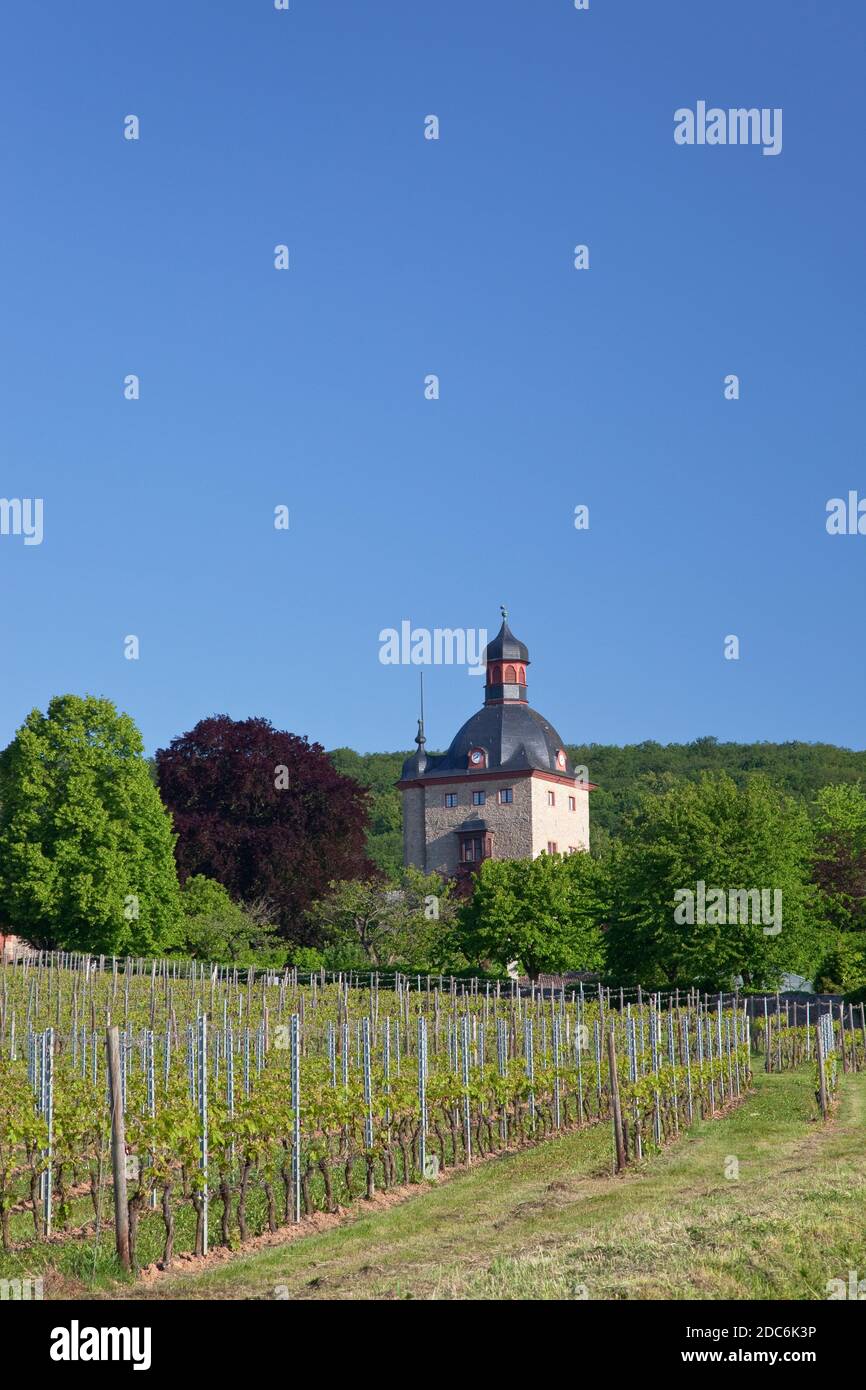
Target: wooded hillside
620	773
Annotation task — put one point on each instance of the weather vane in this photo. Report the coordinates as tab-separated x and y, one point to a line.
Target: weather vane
504	611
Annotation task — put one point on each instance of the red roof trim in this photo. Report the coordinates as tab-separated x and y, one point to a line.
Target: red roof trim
493	776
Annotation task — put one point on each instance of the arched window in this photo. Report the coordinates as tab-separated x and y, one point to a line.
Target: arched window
510	676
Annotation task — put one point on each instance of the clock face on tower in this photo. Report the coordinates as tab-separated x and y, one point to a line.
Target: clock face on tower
476	757
560	759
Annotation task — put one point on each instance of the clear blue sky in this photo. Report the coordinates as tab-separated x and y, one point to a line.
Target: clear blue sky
409	257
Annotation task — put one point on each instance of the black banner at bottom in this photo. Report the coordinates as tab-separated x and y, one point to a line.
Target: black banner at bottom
162	1337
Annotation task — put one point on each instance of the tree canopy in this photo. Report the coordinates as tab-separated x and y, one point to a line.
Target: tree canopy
712	837
840	855
265	813
543	913
214	928
86	846
374	924
710	862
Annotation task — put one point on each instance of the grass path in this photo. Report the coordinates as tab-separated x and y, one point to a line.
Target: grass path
551	1222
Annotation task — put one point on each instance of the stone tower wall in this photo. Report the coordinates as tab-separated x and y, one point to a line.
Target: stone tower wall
566	829
511	824
413	828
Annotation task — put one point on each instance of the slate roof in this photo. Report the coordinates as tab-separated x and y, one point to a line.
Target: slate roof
515	737
506	647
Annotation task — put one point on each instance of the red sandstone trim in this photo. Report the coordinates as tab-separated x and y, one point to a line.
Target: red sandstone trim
562	778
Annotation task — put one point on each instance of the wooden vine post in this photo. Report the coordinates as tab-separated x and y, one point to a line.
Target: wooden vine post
118	1146
822	1075
615	1105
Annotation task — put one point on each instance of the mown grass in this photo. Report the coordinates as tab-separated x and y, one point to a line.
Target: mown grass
554	1223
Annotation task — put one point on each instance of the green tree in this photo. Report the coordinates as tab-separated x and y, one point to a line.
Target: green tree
86	845
840	872
730	838
379	773
843	968
840	855
371	924
215	928
423	928
543	913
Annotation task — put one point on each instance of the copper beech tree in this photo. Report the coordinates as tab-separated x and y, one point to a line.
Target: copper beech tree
264	812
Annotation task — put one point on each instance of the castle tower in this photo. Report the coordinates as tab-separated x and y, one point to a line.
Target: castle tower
505	789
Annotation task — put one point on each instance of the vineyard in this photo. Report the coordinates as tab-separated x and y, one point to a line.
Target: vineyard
184	1107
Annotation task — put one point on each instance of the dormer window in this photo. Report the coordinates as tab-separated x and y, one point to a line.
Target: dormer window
477	758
